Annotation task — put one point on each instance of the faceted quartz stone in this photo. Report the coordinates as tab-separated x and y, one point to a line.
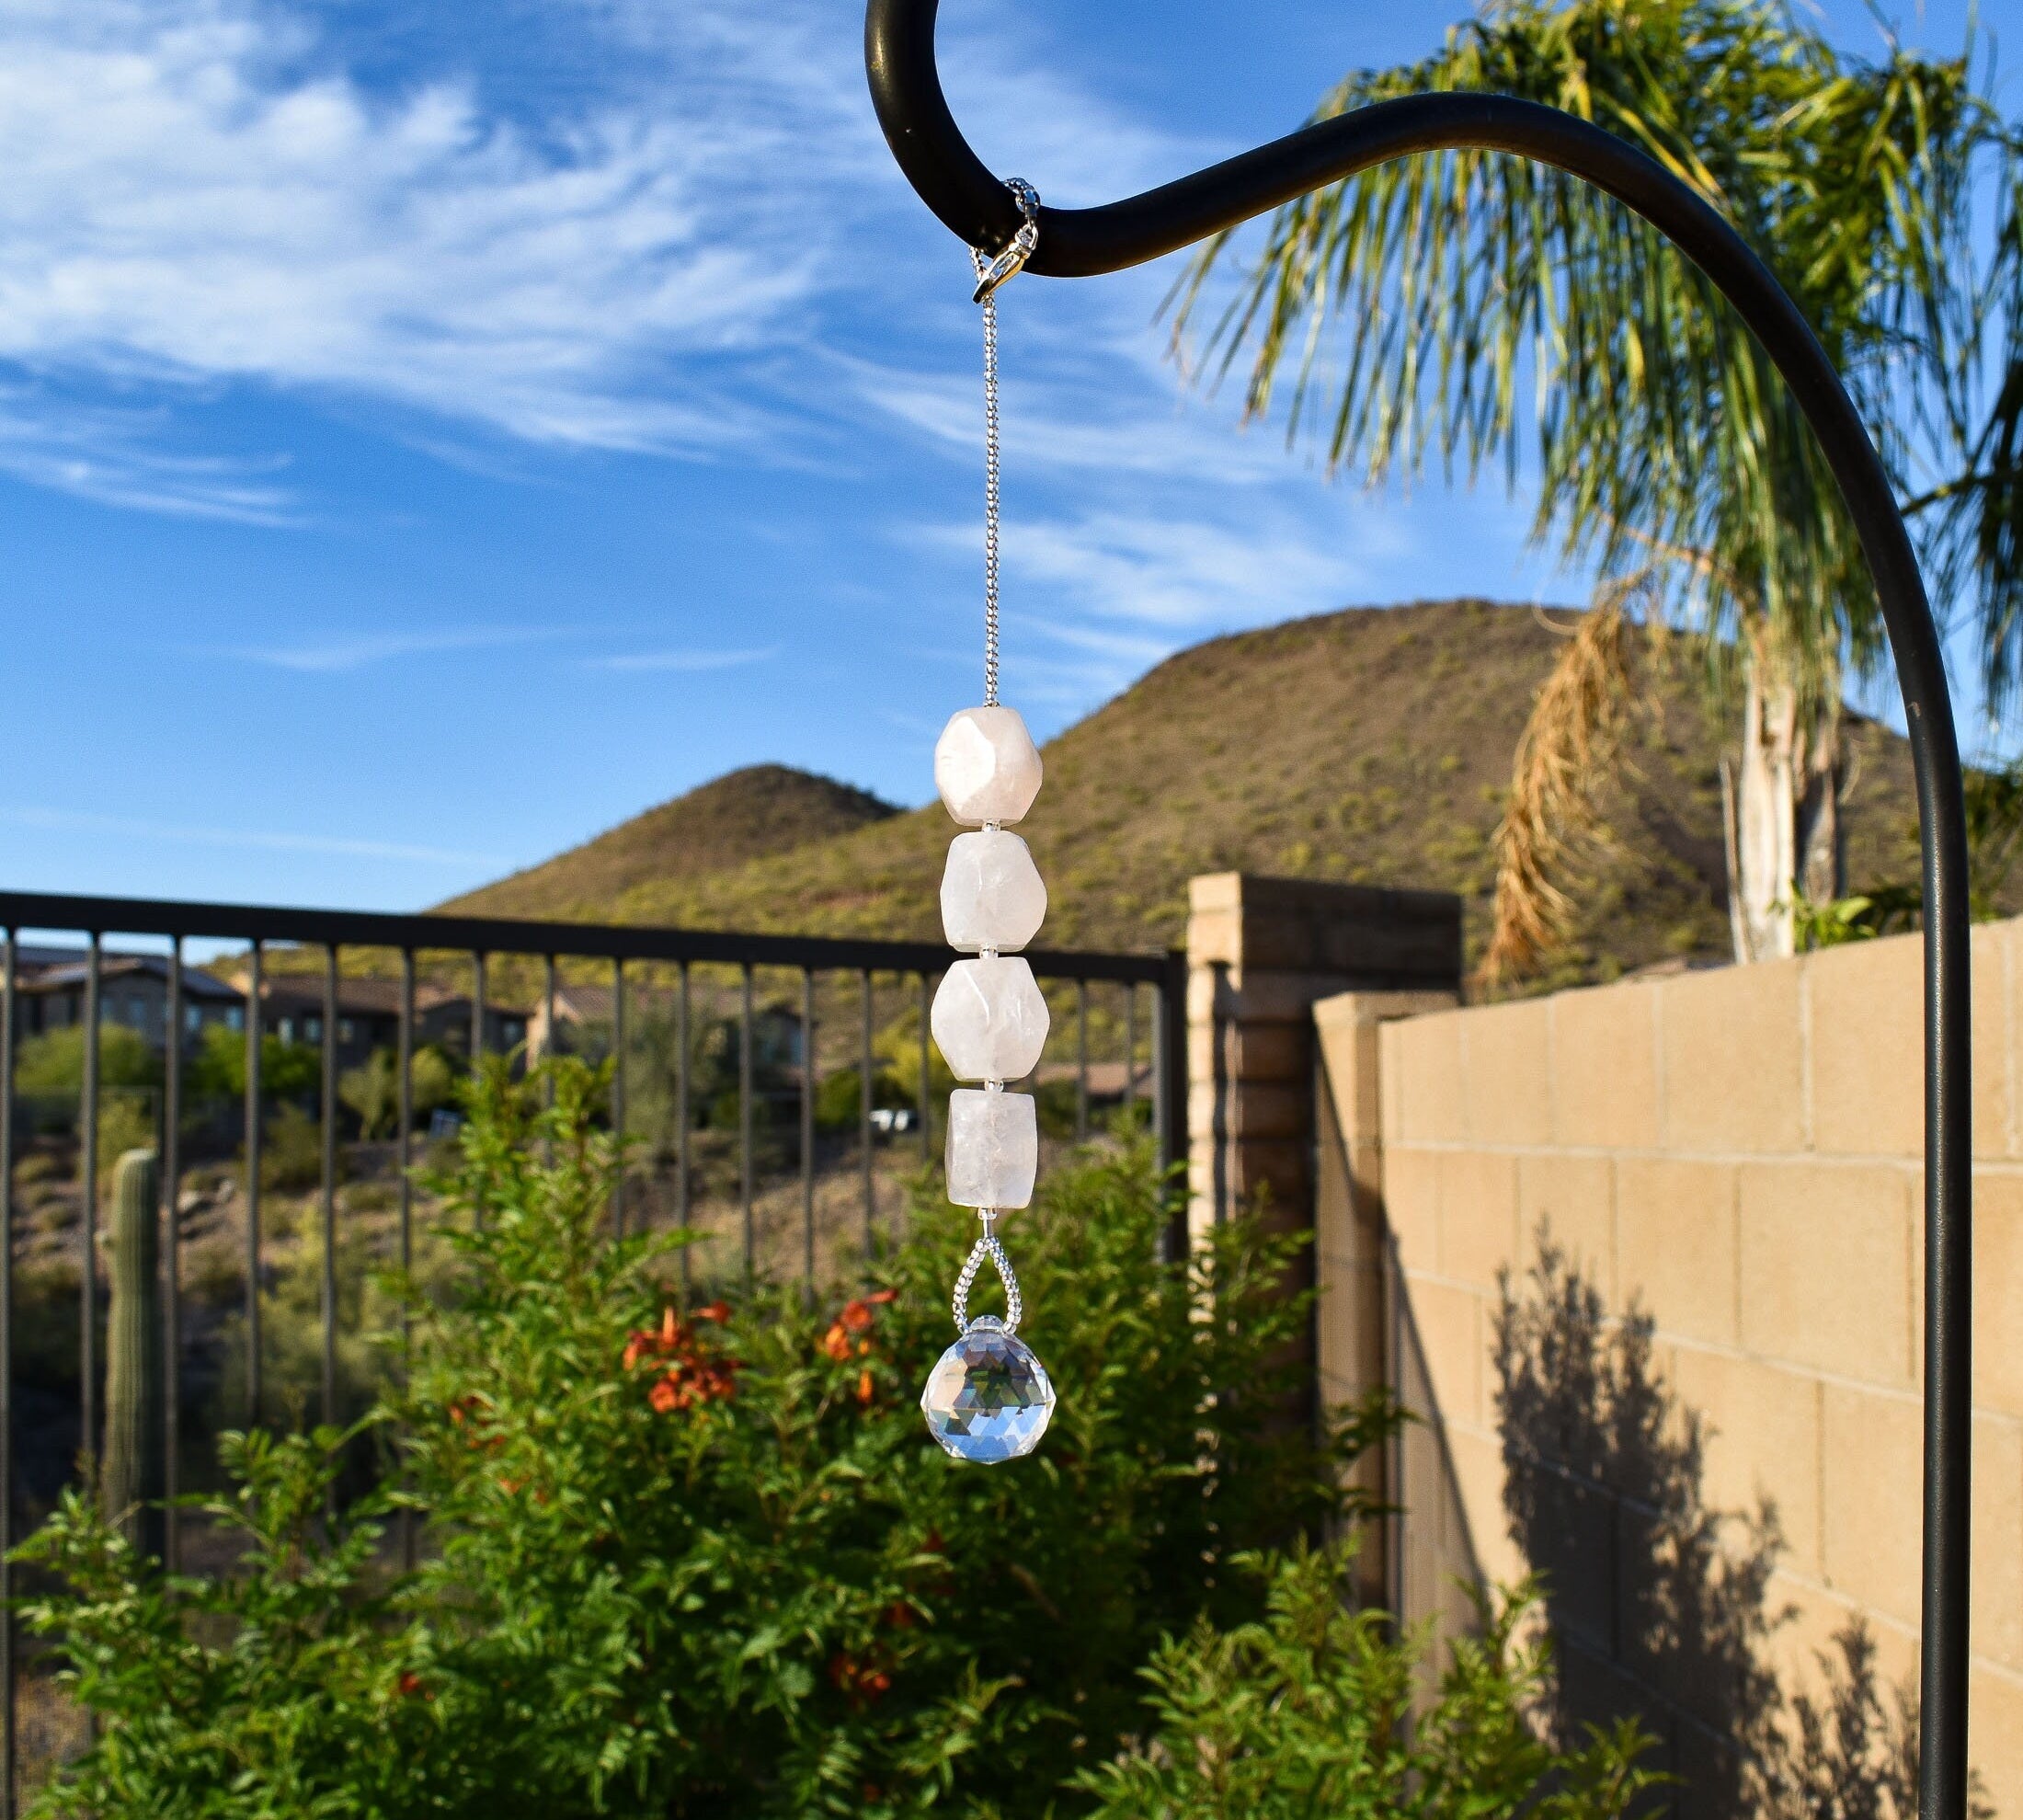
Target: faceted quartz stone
990	1019
986	766
987	1399
993	1148
991	894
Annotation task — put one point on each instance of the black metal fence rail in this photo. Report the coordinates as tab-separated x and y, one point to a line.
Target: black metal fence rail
478	940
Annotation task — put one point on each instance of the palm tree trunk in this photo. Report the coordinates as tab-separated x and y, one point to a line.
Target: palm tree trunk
1766	845
1784	814
1818	837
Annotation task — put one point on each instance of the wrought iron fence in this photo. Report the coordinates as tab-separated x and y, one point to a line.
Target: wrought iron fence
290	972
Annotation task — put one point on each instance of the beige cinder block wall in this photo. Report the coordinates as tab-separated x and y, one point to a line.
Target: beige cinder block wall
1737	1153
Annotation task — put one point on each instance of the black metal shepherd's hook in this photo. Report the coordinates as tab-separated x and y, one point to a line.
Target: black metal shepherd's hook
1075	243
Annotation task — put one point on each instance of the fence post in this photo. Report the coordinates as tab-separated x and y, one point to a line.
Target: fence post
1261	951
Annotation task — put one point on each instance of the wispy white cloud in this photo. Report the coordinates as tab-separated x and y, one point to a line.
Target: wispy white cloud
1054	425
330	656
682	660
1181	571
134	828
115	455
182	206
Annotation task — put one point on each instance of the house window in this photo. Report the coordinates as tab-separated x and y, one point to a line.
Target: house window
235	1018
345	1030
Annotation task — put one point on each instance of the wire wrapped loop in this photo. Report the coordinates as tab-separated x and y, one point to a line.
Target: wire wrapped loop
987	1247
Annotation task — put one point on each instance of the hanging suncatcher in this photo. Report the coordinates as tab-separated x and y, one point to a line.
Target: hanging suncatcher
988	1398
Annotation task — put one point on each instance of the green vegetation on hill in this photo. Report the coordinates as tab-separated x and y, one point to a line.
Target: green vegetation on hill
740	816
1372	745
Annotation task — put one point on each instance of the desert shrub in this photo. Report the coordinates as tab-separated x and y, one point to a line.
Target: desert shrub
1317	1708
288	1070
839	1097
708	1562
292	1151
52	1064
126	1122
372	1089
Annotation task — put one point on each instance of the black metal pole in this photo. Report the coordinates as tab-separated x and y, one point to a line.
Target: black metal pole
87	1116
172	1266
618	1097
327	1185
9	1708
255	1027
976	207
404	1144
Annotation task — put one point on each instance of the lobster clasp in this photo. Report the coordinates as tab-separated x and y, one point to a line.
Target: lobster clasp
993	272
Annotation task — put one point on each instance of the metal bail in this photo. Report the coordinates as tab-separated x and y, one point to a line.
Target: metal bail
988	1250
993	272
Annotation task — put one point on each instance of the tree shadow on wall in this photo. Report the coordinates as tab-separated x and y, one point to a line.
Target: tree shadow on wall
1660	1604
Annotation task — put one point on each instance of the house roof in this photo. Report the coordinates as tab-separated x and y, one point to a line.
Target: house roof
586	1003
68	973
363	995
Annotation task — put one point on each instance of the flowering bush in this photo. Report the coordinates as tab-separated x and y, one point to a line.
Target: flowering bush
708	1562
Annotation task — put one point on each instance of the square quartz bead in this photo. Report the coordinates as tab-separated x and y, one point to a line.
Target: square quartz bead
991	893
993	1148
990	1019
986	766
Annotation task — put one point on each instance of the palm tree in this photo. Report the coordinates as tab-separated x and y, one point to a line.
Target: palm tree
1483	309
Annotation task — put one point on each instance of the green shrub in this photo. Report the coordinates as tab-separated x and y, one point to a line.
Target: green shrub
839	1097
292	1151
711	1565
372	1089
126	1122
1319	1709
288	1070
52	1064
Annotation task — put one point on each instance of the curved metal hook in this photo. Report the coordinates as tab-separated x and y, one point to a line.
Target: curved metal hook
953	183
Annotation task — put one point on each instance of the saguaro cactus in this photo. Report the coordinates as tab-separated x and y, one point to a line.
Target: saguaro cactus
134	1480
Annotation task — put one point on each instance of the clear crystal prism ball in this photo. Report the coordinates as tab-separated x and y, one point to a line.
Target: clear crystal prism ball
988	1398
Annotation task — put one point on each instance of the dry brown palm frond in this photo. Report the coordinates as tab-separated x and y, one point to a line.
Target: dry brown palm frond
1572	738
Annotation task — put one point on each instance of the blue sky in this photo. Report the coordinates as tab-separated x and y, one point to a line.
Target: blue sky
430	435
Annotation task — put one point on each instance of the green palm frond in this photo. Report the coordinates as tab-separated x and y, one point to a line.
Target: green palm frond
1476	309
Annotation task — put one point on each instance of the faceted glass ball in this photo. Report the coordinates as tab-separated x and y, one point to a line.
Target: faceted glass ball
986	766
987	1399
993	1148
992	896
989	1019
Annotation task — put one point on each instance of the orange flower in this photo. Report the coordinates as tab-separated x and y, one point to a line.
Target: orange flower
860	1679
866	1389
411	1685
687	1375
856	1319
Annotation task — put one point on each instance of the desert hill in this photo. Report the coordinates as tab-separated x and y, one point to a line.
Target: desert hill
1372	745
761	810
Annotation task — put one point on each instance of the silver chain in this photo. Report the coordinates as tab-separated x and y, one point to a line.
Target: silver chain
992	271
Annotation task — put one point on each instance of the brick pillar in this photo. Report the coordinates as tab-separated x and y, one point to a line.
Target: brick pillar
1260	952
1355	1348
